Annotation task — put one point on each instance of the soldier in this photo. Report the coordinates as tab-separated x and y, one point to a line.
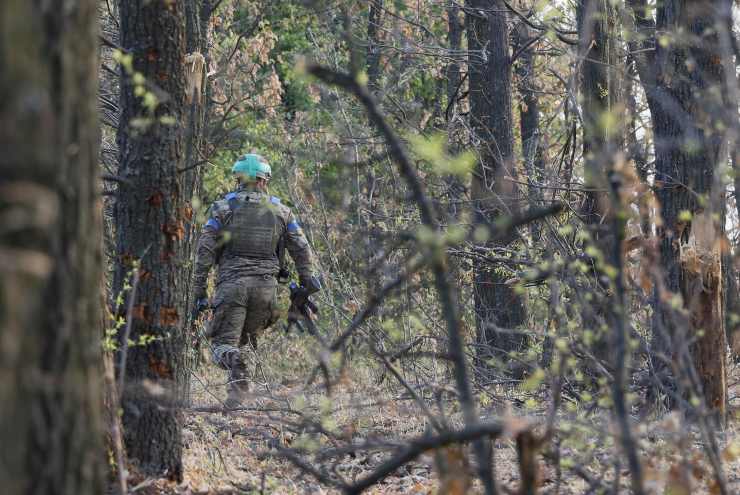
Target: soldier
245	235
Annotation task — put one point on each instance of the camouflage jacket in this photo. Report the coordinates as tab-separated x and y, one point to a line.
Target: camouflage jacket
214	242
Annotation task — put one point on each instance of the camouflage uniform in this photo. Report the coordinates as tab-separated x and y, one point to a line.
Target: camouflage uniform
242	236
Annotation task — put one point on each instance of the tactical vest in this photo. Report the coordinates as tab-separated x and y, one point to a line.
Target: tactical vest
253	230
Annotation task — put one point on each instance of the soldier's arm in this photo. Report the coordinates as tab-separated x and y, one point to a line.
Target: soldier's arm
208	244
300	251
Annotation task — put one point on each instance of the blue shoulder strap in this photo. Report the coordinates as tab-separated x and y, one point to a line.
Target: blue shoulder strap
232	199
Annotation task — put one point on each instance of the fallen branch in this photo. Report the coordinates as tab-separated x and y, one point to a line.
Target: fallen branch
414	449
419	446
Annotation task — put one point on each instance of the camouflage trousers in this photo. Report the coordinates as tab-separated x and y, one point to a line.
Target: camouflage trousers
242	310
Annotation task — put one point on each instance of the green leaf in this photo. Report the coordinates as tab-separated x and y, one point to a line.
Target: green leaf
534	381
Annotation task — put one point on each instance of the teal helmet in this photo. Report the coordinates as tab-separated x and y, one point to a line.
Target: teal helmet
251	167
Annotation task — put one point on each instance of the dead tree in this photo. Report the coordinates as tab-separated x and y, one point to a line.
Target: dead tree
682	78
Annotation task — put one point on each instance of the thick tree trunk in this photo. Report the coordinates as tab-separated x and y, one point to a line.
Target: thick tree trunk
152	217
682	82
499	309
50	250
729	265
687	153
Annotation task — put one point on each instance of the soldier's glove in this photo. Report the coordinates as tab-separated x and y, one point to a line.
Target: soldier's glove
311	284
200	305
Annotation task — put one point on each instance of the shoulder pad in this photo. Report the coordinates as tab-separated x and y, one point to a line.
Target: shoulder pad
275	200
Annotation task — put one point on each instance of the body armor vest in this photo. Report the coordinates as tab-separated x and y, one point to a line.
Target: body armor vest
253	231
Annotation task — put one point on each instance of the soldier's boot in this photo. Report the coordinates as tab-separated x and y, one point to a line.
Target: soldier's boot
238	387
238	390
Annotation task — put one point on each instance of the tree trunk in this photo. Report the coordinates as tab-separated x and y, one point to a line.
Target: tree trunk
682	81
499	309
531	140
602	140
374	252
529	121
373	44
152	216
50	250
729	265
599	95
455	187
686	157
197	15
454	39
636	150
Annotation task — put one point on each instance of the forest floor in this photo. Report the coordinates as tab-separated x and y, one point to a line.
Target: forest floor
236	452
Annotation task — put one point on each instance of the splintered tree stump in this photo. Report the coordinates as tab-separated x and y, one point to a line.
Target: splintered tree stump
194	64
701	262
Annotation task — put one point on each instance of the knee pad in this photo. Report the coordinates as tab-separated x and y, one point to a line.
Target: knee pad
227	356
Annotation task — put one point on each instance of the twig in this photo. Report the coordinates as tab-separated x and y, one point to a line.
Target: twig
127	333
115	429
419	401
372	305
558	32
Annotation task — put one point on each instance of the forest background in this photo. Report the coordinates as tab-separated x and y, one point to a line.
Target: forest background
524	215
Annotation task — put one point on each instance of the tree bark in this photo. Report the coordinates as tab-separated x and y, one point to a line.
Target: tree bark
682	80
499	309
529	121
732	98
152	216
455	187
50	250
602	141
197	15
